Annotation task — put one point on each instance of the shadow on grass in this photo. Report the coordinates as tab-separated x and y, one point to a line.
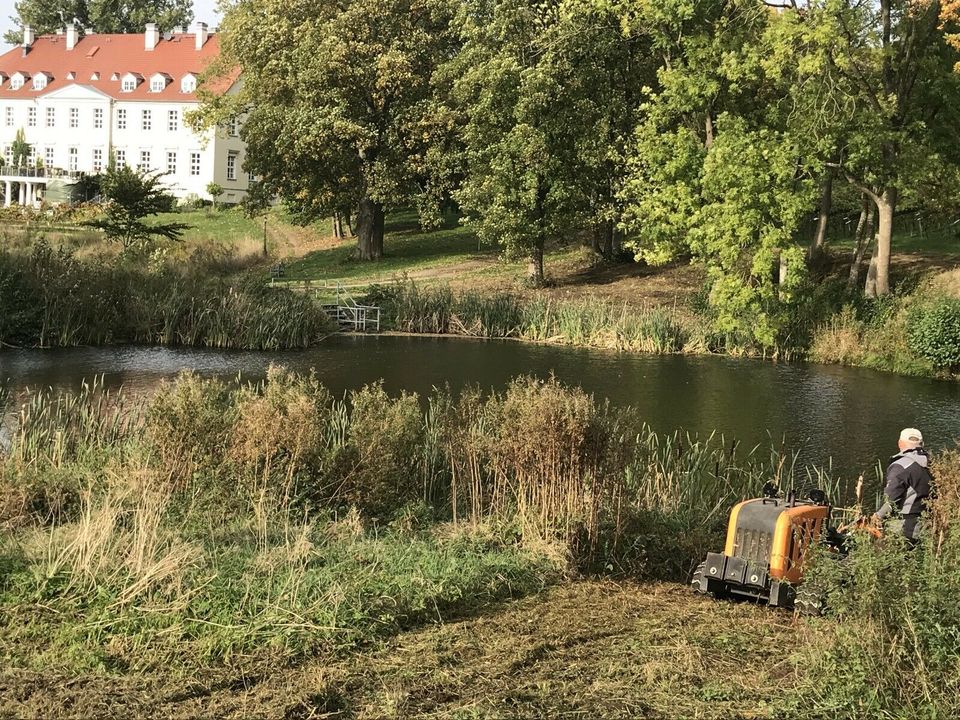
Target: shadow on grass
406	247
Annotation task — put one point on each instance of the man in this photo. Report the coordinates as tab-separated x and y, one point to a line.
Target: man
908	486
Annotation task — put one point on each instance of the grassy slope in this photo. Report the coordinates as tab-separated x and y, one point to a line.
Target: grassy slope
588	650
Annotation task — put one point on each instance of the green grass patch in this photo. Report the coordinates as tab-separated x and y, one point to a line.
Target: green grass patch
406	247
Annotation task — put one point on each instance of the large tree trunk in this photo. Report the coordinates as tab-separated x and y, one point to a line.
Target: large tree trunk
605	239
535	266
870	286
826	200
862	238
370	230
886	206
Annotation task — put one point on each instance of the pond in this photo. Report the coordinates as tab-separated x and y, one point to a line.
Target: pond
848	416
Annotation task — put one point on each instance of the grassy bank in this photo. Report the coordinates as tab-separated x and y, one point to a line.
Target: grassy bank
272	530
914	333
223	522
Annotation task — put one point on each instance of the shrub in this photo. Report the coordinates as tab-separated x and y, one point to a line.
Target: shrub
934	332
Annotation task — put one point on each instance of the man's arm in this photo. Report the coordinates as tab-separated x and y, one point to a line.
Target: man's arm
895	490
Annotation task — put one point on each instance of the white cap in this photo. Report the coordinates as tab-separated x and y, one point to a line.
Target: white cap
911	435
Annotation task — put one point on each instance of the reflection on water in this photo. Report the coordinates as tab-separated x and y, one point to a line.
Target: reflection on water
850	415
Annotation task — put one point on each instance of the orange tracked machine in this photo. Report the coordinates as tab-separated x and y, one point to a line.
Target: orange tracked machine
768	540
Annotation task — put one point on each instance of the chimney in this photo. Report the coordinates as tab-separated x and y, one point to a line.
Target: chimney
87	31
151	37
200	30
71	36
28	37
178	30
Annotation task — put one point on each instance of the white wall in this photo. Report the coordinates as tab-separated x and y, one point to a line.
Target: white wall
213	148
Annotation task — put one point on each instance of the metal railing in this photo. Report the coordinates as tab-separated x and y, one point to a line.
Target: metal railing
9	171
345	311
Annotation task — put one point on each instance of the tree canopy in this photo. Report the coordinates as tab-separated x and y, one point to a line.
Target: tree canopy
340	112
725	133
104	16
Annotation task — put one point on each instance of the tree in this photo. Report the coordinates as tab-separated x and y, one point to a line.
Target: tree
104	16
214	190
132	195
877	80
338	103
713	172
20	149
257	200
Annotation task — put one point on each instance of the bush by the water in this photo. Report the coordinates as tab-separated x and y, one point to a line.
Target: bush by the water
218	519
934	332
50	298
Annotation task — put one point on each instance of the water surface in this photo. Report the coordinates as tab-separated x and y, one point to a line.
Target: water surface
851	415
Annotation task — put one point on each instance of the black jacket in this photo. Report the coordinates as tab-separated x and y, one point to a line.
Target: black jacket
908	483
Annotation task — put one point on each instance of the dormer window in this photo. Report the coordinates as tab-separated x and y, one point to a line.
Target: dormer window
17	80
71	75
189	83
95	76
130	81
40	81
158	82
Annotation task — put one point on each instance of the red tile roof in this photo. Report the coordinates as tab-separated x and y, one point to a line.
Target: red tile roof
109	55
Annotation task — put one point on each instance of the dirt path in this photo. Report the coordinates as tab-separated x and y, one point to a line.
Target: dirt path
585	650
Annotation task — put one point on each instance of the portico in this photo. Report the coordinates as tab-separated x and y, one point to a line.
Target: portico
28	183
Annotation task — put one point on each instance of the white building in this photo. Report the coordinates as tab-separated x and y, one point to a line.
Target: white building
79	96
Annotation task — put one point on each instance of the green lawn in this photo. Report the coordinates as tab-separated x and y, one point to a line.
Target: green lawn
908	238
221	227
406	247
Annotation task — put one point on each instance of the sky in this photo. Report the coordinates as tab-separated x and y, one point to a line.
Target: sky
202	10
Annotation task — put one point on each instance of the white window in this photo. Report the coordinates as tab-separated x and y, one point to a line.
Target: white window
51	117
144	163
8	154
97	118
31	117
8	116
72	158
194	163
235	127
97	159
129	84
158	84
121	119
16	82
32	155
74	117
146	120
121	158
172	162
188	84
48	156
251	178
173	120
40	82
231	167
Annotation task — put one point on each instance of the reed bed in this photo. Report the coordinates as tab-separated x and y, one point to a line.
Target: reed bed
274	518
49	298
408	307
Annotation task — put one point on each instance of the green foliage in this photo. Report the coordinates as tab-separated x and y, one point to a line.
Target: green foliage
20	149
257	200
51	298
934	333
132	195
214	190
338	100
48	16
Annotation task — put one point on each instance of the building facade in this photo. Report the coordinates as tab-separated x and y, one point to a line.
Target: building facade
78	97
